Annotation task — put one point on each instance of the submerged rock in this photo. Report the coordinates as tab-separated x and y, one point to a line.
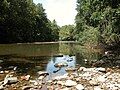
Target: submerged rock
61	64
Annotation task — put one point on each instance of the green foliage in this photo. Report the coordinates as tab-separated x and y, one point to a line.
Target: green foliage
67	33
89	36
55	30
104	18
23	21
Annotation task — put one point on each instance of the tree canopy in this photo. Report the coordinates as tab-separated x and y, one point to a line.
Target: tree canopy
98	21
24	21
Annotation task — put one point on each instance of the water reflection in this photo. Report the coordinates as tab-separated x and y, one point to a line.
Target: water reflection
31	58
66	61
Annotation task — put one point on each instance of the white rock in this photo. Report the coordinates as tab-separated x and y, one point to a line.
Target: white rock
97	88
93	82
60	83
65	89
1	87
61	77
34	82
89	70
82	68
101	79
101	69
6	71
10	80
43	73
41	77
70	83
79	87
1	72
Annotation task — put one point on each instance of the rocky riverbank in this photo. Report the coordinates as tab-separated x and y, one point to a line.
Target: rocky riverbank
75	79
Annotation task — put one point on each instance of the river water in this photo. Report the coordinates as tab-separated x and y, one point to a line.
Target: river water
31	58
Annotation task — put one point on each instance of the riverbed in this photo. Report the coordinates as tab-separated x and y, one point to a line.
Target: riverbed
29	59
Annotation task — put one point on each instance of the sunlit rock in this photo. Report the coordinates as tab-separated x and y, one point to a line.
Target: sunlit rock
82	68
31	87
10	80
6	71
15	68
41	78
70	70
65	88
61	83
65	76
1	87
93	82
101	79
27	77
97	88
1	72
34	82
101	69
89	70
79	87
70	83
43	73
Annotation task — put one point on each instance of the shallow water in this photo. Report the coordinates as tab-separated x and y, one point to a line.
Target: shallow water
31	58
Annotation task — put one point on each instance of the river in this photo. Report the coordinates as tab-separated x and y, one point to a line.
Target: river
30	58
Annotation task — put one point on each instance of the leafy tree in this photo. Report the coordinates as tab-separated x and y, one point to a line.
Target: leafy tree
100	15
55	30
67	33
23	21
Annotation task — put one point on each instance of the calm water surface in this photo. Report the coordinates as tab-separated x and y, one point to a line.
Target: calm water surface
31	58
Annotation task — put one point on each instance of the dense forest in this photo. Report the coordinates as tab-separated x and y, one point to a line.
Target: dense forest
96	22
23	21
